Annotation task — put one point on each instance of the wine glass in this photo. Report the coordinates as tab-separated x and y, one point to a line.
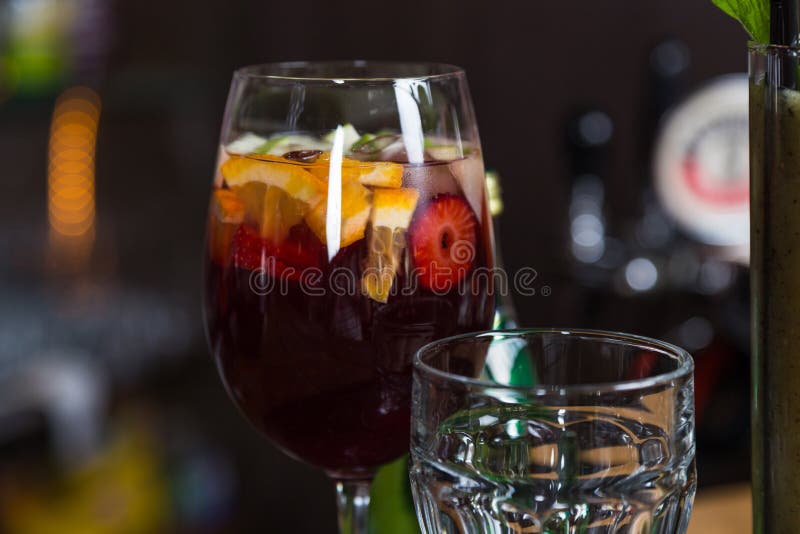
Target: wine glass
348	226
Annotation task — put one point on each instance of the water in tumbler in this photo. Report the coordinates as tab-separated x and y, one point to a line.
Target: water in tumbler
519	468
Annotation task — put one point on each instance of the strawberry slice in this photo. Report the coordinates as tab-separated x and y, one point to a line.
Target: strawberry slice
301	250
249	250
443	237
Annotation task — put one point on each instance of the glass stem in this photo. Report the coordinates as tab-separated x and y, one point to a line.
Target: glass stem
352	502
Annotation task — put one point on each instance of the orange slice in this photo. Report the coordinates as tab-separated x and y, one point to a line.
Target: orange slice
270	209
279	213
386	247
293	179
391	214
394	207
226	213
355	210
227	207
381	174
321	167
376	174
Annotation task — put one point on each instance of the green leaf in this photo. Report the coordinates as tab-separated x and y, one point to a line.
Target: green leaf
391	507
752	14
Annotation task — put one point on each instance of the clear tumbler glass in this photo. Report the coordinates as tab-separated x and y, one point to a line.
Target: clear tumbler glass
603	442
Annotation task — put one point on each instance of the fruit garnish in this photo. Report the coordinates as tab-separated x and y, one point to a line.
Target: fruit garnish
443	238
226	213
381	174
375	174
391	214
394	207
350	135
301	250
321	167
280	144
245	144
279	213
371	145
303	156
293	179
226	207
249	250
385	249
355	210
298	252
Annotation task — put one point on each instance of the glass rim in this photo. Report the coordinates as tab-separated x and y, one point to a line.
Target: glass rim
272	71
684	359
755	46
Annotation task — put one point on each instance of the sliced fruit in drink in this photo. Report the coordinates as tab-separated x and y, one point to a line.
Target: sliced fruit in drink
355	210
321	167
386	247
279	213
227	212
377	174
303	156
280	144
393	207
391	214
443	238
293	179
369	146
245	144
350	136
381	174
249	250
227	207
298	252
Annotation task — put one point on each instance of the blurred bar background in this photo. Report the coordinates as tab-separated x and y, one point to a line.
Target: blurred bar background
622	160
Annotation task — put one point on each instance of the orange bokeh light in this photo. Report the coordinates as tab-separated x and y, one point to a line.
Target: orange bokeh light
71	191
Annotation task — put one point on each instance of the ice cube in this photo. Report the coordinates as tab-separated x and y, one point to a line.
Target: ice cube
431	180
468	173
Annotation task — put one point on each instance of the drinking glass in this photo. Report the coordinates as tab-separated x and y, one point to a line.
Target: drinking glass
347	227
775	285
601	442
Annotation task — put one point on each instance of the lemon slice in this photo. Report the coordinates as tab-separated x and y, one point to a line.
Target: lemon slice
292	179
391	214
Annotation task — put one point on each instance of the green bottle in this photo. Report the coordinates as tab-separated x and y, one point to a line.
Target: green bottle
516	368
391	505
